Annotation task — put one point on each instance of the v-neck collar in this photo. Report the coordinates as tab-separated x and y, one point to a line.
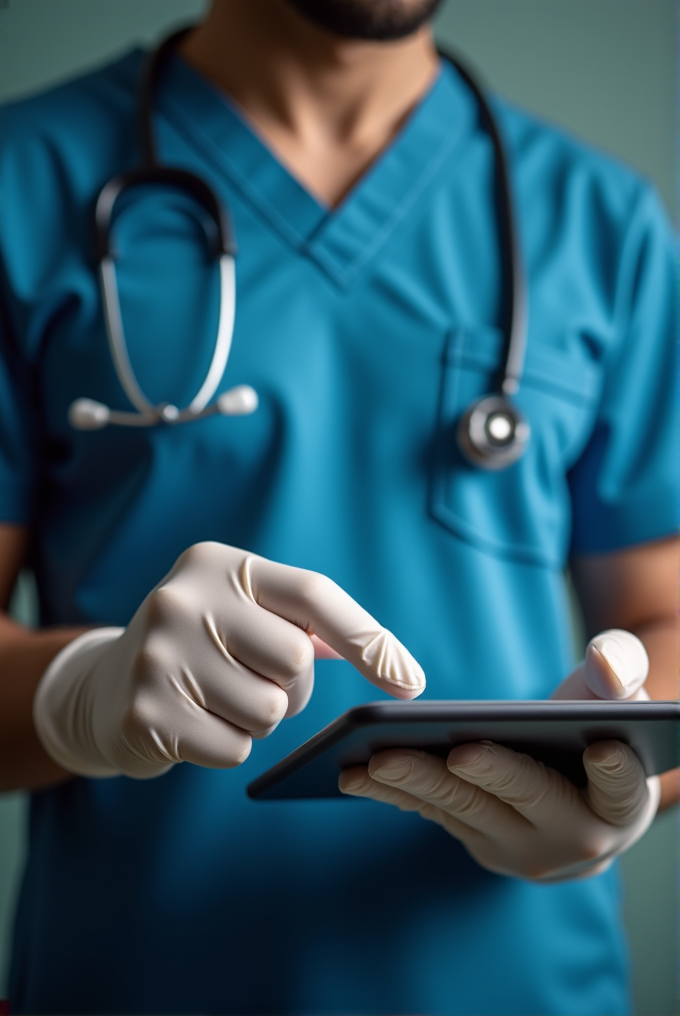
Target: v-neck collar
343	240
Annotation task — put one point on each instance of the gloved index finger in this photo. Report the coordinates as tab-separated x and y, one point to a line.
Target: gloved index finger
320	607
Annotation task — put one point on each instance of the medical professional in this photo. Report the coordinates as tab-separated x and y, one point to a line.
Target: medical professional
189	569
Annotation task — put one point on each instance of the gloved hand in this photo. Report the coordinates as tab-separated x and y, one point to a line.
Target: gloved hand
516	816
218	653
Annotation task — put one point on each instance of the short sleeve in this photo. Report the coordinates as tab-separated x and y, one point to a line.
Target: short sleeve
625	486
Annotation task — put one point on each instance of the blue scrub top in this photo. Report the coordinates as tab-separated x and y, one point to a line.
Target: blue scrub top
366	331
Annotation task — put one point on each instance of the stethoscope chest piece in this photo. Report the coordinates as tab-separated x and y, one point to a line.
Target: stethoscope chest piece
492	433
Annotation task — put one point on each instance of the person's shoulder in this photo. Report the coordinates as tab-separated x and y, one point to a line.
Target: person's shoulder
57	148
545	155
76	115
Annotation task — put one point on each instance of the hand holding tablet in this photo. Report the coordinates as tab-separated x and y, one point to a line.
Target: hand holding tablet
515	814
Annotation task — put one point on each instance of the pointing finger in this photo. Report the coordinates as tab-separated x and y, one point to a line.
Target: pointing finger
320	607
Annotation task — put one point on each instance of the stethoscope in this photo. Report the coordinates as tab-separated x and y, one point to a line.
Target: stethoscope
491	433
86	414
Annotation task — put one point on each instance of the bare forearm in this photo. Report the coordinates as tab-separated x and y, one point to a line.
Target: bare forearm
662	642
24	656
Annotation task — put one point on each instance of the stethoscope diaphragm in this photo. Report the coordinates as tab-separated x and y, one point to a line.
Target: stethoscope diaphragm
492	433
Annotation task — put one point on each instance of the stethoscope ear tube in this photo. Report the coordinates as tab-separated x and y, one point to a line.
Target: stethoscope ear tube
167	176
492	433
88	414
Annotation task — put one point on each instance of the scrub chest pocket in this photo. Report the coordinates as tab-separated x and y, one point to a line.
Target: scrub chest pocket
521	512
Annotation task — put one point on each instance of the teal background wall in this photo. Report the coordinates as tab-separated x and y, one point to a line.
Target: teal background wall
604	69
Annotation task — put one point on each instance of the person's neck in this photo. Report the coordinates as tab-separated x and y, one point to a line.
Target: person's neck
325	105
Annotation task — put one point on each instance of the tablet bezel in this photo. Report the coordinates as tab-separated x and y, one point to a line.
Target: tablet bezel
556	732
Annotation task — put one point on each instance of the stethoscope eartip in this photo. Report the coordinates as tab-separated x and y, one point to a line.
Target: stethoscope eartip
86	414
239	401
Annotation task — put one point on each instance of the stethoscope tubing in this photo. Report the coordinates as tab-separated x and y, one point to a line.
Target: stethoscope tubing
518	324
478	427
121	359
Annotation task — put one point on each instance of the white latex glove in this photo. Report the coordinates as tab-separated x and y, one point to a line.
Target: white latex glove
515	815
218	653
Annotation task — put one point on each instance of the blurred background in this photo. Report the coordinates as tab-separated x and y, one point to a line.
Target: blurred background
606	70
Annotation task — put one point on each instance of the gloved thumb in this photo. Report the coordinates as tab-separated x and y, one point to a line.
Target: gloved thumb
616	664
615	667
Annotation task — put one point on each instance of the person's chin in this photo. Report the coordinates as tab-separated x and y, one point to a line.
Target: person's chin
380	20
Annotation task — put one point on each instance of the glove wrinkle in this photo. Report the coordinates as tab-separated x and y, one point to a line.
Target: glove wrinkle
145	756
194	696
245	586
164	752
381	655
211	627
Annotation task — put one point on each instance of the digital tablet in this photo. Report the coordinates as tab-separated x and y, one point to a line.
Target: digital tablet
554	732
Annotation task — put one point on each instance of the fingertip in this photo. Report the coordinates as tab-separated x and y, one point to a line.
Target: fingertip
616	664
400	689
245	753
239	756
353	781
613	766
259	735
399	692
392	770
467	756
618	790
606	755
406	681
601	677
299	695
389	665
